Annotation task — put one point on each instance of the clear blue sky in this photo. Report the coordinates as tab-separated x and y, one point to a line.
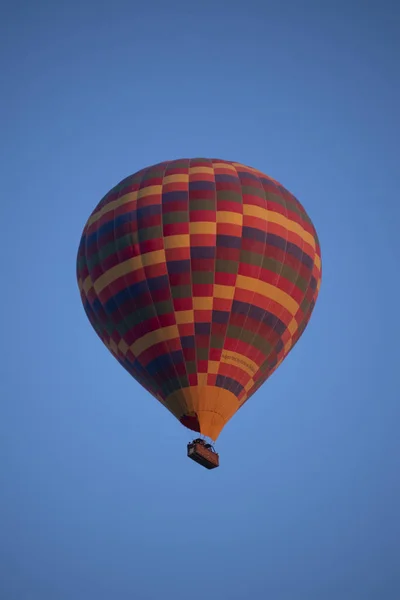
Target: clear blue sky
97	498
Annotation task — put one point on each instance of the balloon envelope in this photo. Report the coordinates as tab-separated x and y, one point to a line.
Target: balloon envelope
199	275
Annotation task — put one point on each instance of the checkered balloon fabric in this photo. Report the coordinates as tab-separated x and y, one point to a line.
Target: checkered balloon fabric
199	275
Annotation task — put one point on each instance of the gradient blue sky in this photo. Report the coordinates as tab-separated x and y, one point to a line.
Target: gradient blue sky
97	498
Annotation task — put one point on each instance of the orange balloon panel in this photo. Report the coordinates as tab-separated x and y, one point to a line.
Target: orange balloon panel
199	275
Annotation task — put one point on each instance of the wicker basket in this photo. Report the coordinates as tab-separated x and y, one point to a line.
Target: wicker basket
206	457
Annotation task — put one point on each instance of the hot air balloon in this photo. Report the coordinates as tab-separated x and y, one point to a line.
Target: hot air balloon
199	275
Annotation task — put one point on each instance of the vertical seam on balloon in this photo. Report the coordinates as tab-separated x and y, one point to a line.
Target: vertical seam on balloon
164	344
266	309
296	280
278	317
258	278
139	256
103	308
230	368
166	262
293	286
213	288
113	213
92	286
84	295
237	270
153	381
298	273
181	403
150	380
191	279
